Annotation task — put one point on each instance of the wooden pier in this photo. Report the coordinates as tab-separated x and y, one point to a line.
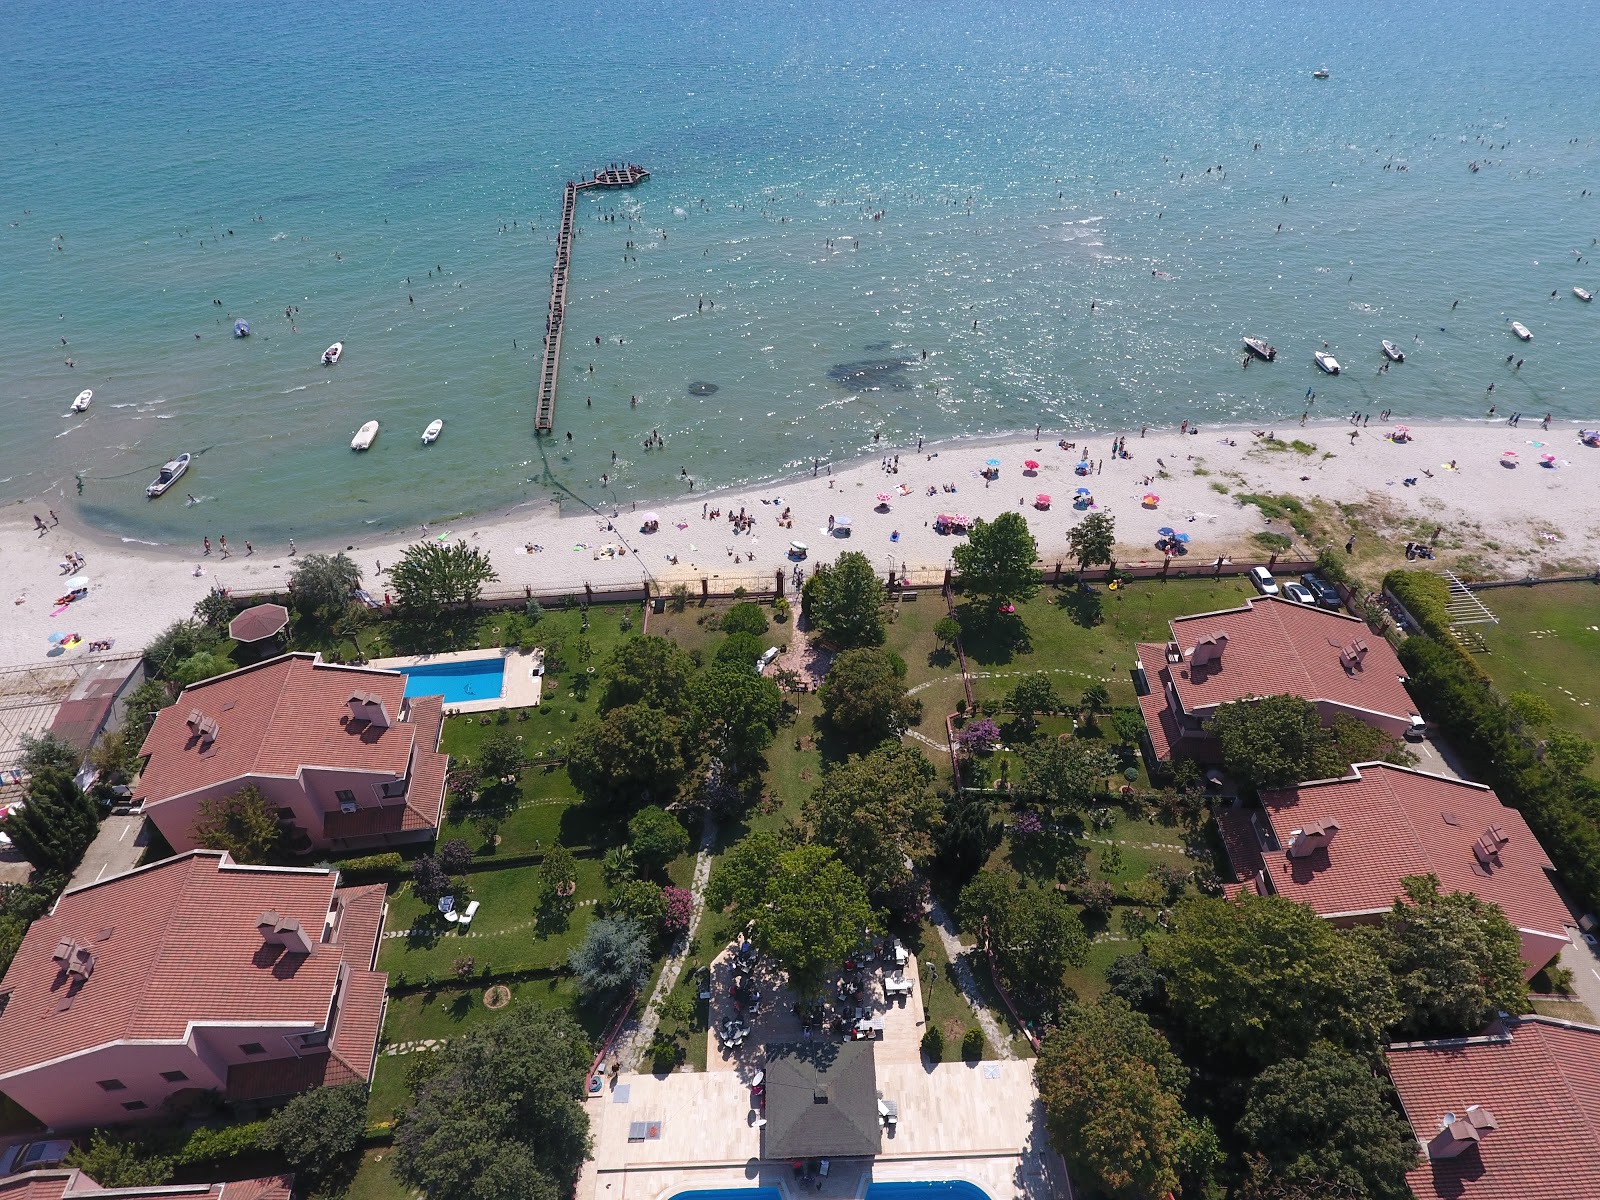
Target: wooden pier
614	176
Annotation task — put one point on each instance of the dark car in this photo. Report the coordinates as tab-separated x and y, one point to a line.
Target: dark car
1327	595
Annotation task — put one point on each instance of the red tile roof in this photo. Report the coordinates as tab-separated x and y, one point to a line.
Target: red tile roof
176	943
1274	647
1237	829
1395	822
71	1184
273	719
1159	716
424	800
1540	1080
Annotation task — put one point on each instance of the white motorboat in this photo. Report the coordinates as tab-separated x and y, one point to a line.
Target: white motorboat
1327	362
1392	352
430	435
1320	73
241	328
1522	331
85	398
1260	348
364	436
170	474
332	353
1583	294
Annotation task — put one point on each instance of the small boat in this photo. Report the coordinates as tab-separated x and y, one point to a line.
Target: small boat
1320	73
1259	347
1582	294
1327	362
364	436
170	472
1392	352
430	435
241	328
332	353
1522	331
85	398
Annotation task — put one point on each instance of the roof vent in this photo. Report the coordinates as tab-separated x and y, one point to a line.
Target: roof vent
76	960
1208	651
283	931
1315	836
1459	1134
1351	656
1487	848
368	706
201	726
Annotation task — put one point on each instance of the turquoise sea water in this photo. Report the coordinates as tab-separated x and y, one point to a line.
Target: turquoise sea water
1026	164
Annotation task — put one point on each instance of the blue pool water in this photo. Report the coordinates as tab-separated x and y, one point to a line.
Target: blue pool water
458	682
944	1189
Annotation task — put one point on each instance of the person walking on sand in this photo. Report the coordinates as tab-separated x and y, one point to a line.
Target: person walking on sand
248	548
55	520
291	547
222	544
207	541
38	523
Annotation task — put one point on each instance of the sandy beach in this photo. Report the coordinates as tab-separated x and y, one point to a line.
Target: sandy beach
1491	517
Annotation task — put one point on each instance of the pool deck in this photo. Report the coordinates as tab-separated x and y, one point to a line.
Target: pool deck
522	688
979	1122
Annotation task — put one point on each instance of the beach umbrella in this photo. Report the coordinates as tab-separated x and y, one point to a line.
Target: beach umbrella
841	523
1166	531
258	623
1151	500
1042	499
993	462
1181	537
799	547
648	517
76	582
1082	492
55	639
1031	465
883	497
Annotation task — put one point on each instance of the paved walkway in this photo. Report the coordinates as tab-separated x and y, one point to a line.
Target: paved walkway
634	1040
116	850
961	975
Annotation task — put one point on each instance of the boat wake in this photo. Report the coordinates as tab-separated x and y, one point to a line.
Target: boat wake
301	388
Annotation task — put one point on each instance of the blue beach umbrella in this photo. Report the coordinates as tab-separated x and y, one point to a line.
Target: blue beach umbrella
1166	531
1083	492
993	462
1181	537
55	639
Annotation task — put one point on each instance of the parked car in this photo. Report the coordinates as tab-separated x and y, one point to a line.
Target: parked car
1327	595
1262	578
1299	593
31	1156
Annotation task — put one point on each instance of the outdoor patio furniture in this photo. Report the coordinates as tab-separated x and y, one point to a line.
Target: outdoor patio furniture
466	917
890	1111
453	917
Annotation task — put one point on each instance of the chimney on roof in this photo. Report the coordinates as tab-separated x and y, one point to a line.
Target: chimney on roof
283	931
1315	836
76	960
201	726
1208	651
1487	848
368	707
1459	1134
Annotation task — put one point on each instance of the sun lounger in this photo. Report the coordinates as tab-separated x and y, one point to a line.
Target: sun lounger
466	917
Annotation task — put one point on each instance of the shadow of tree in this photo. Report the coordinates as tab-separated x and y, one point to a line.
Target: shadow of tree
991	638
1083	606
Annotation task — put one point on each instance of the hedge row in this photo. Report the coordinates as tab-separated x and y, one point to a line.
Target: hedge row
374	868
1426	597
1450	689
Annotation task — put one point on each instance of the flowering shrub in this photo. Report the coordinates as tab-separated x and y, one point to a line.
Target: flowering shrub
1027	824
680	908
978	737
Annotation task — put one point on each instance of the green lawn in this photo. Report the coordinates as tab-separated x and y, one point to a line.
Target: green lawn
374	1180
1083	639
695	628
1548	643
945	1007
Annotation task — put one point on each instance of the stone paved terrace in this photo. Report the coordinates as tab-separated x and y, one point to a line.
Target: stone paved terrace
980	1122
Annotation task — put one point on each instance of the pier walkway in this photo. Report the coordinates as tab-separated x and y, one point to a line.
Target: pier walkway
614	176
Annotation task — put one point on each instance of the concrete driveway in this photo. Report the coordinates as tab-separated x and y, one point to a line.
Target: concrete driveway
116	850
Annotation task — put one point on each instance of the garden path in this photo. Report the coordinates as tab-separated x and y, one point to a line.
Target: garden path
961	974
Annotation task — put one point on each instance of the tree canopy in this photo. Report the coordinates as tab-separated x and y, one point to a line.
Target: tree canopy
1279	740
842	599
244	824
497	1112
178	641
745	617
1093	540
318	1132
432	575
1064	771
1259	979
647	670
1113	1097
811	911
1033	933
1326	1119
1032	694
864	697
1456	961
997	561
630	754
878	813
735	713
614	957
656	837
323	584
56	825
48	751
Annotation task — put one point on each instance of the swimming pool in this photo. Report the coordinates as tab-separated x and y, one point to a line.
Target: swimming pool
943	1189
457	682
